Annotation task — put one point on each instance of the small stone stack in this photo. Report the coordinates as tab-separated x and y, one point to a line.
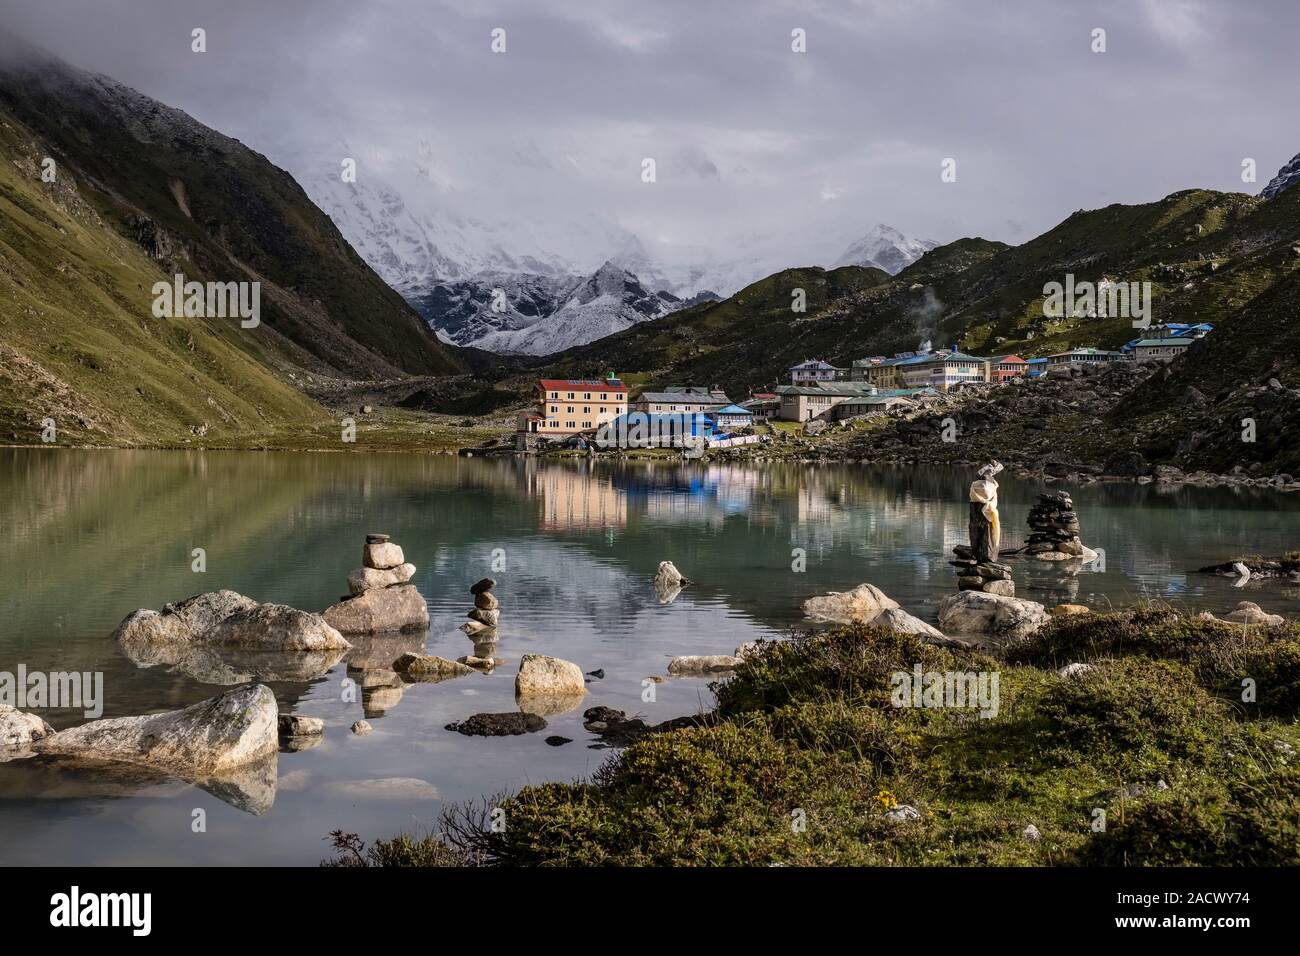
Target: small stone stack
1054	529
991	577
486	609
381	596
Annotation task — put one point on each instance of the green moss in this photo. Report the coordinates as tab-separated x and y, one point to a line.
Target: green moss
1220	656
808	756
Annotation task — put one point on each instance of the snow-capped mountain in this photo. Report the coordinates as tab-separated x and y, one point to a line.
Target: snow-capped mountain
608	301
884	248
499	284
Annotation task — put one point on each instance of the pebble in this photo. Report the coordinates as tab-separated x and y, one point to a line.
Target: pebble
362	727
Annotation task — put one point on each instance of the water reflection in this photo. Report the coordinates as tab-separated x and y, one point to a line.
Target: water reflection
86	537
250	788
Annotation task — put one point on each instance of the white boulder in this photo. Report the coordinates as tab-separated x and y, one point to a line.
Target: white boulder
548	676
703	664
990	615
209	738
398	608
863	604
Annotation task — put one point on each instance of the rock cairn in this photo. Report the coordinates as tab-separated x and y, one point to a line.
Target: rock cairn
977	566
1054	529
381	596
486	611
992	577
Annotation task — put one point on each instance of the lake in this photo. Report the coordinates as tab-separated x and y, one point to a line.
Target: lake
88	536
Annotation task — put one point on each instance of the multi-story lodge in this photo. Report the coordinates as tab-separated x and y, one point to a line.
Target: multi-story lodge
1085	357
834	400
942	371
681	398
1162	350
569	407
811	371
882	372
1004	368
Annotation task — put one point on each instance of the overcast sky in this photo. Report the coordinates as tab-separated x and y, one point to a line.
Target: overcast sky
753	142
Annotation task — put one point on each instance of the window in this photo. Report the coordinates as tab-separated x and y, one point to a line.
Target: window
571	396
570	408
586	409
602	396
555	394
587	396
586	424
555	409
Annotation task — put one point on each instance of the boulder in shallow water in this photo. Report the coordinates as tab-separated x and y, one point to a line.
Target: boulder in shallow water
418	666
276	627
229	619
499	725
863	604
399	608
208	738
300	725
18	731
668	577
183	621
544	676
990	615
696	664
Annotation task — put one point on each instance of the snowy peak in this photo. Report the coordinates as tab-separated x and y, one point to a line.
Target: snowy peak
884	247
540	314
1286	177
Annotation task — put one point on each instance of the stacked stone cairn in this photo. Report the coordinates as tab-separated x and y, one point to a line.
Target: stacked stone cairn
1054	529
973	574
382	597
486	611
978	568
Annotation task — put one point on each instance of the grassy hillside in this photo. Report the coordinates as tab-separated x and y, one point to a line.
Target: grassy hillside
78	342
201	203
1206	254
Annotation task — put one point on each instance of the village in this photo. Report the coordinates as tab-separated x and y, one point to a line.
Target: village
581	413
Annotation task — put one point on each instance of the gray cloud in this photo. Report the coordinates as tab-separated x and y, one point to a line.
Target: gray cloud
754	144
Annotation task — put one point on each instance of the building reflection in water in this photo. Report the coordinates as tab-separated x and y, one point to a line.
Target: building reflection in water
571	498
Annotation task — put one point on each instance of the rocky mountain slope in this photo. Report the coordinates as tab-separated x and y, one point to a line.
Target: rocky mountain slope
1287	176
197	202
